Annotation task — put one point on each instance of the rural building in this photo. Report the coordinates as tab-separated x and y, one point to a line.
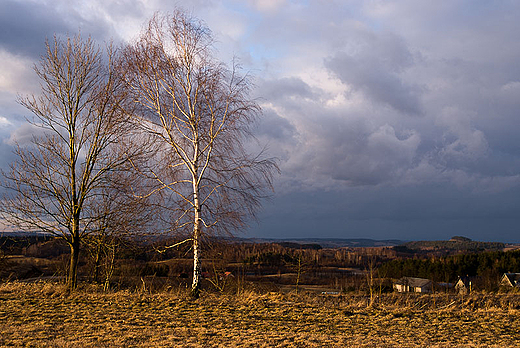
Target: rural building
463	285
410	284
510	280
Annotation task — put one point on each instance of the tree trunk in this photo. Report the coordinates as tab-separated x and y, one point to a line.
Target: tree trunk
110	267
97	263
195	286
299	271
73	267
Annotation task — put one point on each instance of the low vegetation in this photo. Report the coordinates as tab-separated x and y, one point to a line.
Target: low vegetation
47	315
253	295
274	265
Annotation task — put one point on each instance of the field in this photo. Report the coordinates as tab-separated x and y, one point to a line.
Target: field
46	315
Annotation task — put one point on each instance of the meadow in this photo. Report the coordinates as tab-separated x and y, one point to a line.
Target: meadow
45	314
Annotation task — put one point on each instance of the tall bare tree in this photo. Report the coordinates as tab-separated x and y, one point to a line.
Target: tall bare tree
199	112
84	137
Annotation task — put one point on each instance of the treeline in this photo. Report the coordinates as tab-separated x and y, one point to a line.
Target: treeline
15	245
488	266
124	262
104	261
456	244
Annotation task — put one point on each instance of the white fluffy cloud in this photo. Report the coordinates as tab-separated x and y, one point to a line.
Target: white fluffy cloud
4	121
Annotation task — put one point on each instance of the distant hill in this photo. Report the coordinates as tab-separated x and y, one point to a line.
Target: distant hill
22	234
454	244
328	242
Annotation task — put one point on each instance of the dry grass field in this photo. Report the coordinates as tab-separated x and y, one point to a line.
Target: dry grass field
45	315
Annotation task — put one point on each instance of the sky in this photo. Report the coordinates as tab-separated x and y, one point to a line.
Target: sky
390	119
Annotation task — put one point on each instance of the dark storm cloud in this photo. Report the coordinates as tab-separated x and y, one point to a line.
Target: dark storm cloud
6	150
371	140
429	212
351	152
275	127
330	144
374	69
277	89
25	25
7	156
391	119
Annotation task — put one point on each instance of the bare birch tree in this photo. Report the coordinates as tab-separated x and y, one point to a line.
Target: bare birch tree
84	138
199	113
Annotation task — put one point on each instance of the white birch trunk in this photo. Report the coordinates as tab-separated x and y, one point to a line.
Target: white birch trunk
195	286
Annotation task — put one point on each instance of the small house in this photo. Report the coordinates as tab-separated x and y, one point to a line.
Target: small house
411	284
510	280
463	285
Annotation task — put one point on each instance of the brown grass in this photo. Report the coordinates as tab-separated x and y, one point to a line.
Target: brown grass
46	315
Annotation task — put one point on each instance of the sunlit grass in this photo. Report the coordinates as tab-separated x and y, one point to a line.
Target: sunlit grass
47	315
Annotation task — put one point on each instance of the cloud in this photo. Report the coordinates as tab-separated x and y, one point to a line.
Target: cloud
4	122
268	6
411	213
374	68
274	127
24	135
349	153
362	134
16	74
330	145
287	87
381	112
25	25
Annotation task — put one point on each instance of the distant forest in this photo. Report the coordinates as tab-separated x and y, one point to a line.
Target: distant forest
345	267
488	265
454	244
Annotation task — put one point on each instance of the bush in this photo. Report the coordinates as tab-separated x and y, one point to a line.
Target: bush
154	269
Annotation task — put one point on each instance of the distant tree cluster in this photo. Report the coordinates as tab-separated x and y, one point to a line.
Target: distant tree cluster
487	265
455	244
